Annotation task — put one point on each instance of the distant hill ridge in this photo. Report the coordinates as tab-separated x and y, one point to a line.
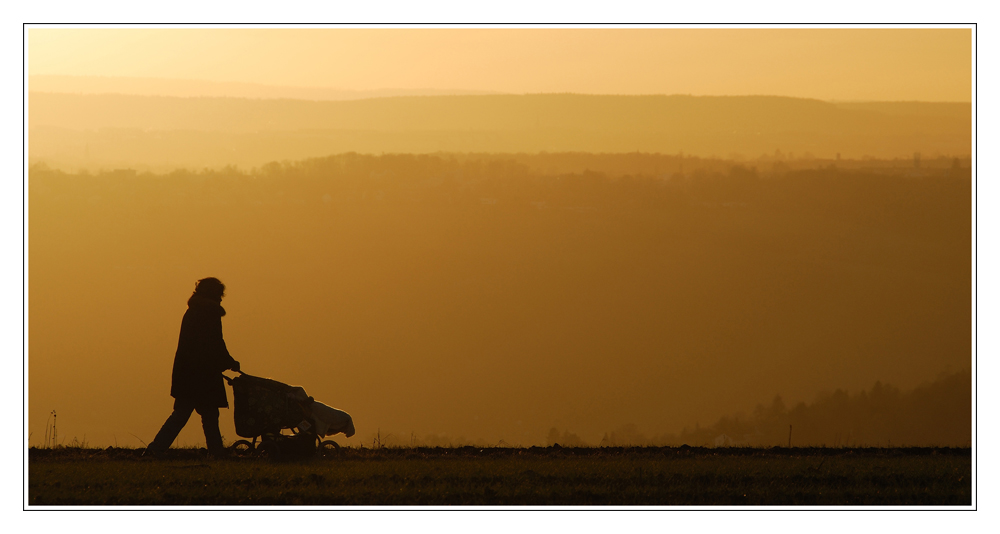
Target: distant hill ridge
695	125
548	111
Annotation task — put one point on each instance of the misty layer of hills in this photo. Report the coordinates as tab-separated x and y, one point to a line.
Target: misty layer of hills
95	131
933	414
498	296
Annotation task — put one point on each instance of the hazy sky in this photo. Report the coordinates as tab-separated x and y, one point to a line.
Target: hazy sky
825	63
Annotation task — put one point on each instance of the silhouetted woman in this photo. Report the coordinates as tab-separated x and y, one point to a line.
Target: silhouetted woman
197	383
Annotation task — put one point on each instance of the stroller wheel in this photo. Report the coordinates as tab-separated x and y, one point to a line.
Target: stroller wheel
242	448
268	450
329	448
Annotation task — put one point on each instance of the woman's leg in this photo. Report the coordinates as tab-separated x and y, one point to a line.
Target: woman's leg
173	425
210	424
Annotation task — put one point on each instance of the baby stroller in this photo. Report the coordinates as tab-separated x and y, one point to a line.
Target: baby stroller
264	407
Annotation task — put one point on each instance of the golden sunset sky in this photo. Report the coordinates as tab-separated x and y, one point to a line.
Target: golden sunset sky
888	64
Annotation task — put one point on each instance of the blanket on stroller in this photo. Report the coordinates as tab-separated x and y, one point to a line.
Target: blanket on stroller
263	405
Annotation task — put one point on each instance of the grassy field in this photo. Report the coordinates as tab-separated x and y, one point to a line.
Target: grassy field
547	476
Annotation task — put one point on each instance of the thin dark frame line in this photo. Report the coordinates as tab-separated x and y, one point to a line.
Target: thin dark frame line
975	221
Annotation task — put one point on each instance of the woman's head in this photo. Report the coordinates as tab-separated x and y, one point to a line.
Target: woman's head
210	288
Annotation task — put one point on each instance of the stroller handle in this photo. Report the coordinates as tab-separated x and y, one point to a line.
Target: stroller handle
228	379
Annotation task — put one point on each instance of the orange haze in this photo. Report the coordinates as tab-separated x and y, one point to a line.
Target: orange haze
453	265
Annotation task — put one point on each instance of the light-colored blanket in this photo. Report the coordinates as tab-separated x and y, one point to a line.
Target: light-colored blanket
330	420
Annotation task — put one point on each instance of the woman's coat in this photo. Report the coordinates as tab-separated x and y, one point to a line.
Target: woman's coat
201	355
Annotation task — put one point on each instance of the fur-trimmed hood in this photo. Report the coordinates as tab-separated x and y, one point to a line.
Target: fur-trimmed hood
198	301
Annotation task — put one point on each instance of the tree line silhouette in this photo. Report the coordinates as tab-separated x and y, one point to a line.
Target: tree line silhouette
525	181
938	413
